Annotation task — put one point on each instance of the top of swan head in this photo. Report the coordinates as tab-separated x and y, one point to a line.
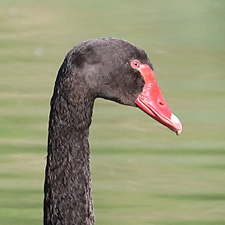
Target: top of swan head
115	69
103	66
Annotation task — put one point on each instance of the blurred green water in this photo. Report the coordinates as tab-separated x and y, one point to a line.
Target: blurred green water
142	173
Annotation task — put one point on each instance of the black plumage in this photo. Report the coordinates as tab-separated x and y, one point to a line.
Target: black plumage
96	68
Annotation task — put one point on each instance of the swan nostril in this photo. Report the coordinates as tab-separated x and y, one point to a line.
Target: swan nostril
161	103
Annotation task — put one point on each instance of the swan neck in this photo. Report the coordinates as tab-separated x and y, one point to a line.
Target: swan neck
68	195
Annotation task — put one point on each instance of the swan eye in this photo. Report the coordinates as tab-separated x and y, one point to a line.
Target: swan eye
135	64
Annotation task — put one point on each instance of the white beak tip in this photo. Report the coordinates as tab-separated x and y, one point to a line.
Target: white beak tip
177	124
178	132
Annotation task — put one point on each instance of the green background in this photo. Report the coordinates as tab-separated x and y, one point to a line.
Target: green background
142	173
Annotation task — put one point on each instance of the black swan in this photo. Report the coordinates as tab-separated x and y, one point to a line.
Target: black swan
107	68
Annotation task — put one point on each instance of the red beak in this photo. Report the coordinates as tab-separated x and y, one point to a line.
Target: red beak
152	102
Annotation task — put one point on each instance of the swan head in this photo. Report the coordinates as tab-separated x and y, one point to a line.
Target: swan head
114	69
